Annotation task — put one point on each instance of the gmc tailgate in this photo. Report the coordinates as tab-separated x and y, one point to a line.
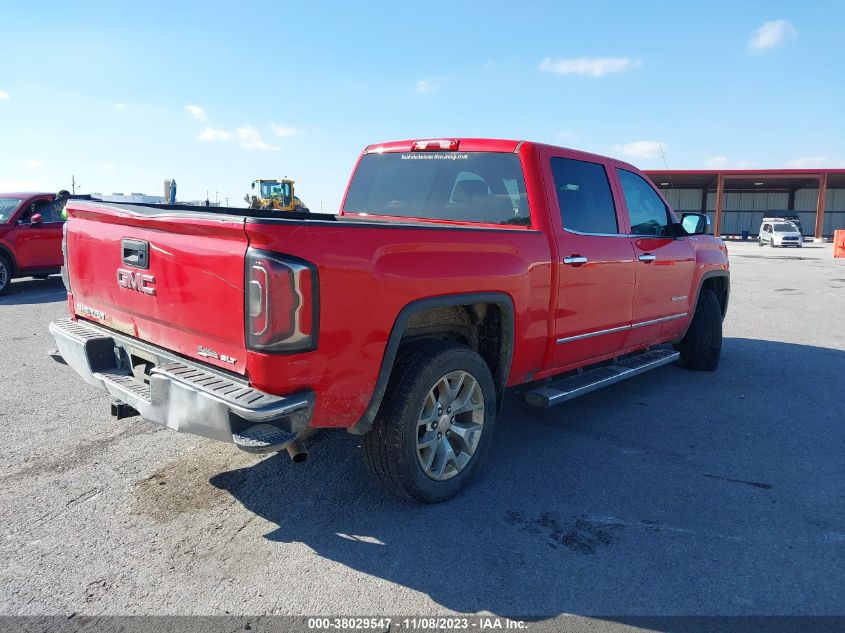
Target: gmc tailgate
172	278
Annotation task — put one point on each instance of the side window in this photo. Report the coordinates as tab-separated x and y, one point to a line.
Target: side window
648	213
584	196
45	208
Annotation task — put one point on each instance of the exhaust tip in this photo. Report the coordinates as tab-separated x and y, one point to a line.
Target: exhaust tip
297	451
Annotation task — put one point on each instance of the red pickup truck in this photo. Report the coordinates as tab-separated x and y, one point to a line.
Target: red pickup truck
457	268
30	236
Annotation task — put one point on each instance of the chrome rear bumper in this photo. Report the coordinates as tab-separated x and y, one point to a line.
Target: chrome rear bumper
182	395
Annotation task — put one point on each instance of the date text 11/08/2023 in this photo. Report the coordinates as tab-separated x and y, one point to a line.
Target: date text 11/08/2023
415	623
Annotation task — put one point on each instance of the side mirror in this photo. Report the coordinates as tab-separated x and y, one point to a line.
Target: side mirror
35	219
695	223
252	185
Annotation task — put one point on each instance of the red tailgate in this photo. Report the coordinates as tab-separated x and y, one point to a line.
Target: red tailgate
186	294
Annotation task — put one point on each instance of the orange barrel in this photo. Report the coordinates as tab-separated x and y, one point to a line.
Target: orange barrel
839	243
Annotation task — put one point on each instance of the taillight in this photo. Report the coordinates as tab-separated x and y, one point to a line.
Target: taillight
434	145
281	303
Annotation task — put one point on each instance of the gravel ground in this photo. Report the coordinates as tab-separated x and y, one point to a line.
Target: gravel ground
673	493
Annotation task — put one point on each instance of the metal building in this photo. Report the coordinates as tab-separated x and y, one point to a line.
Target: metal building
737	200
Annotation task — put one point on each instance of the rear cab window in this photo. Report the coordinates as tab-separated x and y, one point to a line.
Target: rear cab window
480	187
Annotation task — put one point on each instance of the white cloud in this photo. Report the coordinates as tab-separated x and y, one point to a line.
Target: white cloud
640	149
119	106
283	131
250	138
214	134
430	84
808	162
5	96
196	112
723	162
771	35
34	163
589	66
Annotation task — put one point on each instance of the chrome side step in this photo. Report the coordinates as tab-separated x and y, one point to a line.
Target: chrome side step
576	385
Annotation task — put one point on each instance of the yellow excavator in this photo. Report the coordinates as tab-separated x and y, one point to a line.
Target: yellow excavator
274	195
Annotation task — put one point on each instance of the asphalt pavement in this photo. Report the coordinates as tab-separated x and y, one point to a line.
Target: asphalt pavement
673	493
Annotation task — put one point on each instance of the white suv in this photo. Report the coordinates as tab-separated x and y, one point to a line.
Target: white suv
779	233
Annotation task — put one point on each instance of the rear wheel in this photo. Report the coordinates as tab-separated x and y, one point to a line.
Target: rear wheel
5	275
701	346
436	423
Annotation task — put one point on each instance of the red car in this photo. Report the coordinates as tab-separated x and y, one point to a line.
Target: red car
456	269
30	236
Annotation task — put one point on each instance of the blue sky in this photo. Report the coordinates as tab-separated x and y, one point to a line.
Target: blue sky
216	94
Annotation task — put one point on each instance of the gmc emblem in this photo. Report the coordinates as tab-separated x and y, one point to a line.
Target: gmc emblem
136	281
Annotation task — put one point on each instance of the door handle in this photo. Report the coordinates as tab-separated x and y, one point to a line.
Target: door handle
647	258
575	260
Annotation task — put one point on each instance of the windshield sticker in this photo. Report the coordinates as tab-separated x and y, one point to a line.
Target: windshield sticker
426	156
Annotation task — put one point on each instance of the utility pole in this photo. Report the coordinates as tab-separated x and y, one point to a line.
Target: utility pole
73	184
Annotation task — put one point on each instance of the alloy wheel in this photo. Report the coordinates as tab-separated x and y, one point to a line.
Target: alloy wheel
450	425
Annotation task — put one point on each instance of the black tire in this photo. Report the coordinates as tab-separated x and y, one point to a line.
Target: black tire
390	445
702	344
5	275
772	243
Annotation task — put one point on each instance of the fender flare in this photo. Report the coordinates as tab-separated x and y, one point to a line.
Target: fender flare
708	275
391	349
